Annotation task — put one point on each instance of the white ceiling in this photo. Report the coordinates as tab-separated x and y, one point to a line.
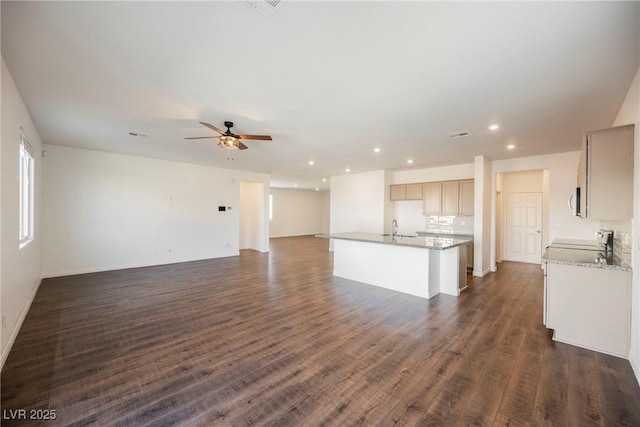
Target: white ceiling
328	80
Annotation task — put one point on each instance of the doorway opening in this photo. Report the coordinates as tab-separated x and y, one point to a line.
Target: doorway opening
252	216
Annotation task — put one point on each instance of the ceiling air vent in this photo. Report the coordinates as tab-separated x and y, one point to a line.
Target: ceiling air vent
266	8
456	135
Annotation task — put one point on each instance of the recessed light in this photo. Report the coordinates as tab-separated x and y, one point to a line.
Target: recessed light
317	189
376	150
324	179
347	170
410	161
310	162
511	146
494	127
295	185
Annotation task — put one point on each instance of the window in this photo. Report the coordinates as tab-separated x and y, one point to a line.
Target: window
26	191
270	207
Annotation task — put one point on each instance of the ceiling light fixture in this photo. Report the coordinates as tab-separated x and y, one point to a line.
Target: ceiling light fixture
347	170
376	150
494	127
410	161
228	142
295	185
317	189
324	179
511	146
310	162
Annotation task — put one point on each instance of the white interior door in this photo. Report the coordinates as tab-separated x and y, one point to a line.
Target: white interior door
524	225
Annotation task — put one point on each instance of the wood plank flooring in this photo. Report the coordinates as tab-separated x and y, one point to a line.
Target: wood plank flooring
275	340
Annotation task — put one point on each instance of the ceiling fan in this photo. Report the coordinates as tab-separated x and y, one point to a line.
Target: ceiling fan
228	139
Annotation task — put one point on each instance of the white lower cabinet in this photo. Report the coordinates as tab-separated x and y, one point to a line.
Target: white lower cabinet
589	307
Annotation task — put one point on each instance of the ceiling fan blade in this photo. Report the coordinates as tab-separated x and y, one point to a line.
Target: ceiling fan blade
201	137
241	146
212	127
258	137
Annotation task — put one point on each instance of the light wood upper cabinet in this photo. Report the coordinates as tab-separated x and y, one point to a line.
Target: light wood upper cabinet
398	192
605	175
414	191
438	198
450	191
466	198
432	198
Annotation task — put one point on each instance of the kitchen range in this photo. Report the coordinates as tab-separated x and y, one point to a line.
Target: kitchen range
587	294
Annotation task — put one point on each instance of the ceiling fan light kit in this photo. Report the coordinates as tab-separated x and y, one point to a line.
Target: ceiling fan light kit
229	140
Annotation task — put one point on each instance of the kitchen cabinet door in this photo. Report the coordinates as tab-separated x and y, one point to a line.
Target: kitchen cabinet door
414	192
605	175
450	191
466	198
589	307
398	192
432	198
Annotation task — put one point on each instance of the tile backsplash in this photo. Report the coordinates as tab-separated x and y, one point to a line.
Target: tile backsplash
621	239
453	223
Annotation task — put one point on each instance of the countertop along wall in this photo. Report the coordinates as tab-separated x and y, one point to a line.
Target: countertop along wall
108	211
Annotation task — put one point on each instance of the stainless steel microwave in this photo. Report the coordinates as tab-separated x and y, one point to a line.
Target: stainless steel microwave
574	202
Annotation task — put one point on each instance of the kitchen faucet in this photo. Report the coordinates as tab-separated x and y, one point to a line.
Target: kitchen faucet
394	228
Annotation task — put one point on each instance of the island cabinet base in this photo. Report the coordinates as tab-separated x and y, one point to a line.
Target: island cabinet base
415	271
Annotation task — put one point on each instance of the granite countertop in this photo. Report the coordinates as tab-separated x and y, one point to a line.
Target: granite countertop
445	232
424	242
584	258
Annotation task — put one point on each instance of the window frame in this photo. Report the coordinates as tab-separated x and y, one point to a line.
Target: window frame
26	188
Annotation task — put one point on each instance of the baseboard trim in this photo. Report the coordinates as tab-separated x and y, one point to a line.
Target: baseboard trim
16	329
481	273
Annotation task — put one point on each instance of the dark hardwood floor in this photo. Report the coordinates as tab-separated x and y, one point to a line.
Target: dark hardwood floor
275	339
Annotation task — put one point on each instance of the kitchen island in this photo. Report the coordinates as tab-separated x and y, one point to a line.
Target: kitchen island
423	266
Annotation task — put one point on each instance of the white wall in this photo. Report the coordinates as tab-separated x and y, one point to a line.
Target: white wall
326	209
409	213
630	113
108	211
297	212
20	268
252	212
358	202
